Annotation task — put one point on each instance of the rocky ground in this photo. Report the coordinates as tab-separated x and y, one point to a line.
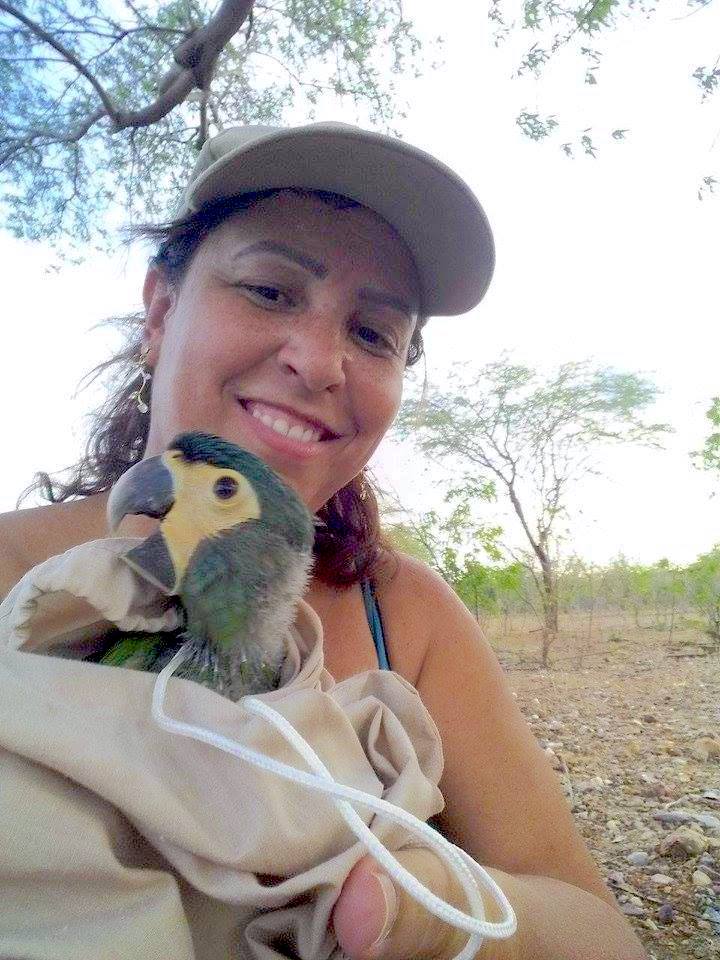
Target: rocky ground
632	727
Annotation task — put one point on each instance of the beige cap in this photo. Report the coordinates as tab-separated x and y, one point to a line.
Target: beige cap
432	209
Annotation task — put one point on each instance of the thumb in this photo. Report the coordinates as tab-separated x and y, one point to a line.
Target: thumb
375	919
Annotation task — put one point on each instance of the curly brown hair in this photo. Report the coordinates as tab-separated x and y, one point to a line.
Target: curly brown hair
348	543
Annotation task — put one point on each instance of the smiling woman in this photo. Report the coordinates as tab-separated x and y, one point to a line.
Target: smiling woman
282	308
306	326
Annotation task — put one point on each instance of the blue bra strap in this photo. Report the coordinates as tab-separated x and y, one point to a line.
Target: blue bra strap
372	612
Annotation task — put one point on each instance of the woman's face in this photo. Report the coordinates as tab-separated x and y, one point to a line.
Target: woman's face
287	335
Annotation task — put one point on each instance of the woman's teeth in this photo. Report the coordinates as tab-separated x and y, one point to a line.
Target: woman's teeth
280	425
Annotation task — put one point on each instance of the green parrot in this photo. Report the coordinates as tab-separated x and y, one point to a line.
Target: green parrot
234	545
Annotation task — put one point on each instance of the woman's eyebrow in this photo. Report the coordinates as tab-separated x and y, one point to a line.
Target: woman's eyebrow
273	246
319	269
387	300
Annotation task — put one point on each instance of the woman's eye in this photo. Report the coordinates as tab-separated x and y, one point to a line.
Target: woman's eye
266	295
376	340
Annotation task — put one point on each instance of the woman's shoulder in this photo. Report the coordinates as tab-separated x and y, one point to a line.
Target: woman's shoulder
433	639
416	605
30	536
411	583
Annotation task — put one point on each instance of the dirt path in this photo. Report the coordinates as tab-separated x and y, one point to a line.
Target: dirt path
635	739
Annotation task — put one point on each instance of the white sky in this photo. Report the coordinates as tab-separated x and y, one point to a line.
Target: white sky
612	259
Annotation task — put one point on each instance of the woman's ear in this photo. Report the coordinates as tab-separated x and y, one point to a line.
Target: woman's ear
159	298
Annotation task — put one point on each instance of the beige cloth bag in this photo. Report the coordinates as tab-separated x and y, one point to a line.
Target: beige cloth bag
119	840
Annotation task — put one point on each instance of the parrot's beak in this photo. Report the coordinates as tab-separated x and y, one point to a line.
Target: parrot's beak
146	488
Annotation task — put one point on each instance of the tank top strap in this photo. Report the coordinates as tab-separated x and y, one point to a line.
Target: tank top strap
372	612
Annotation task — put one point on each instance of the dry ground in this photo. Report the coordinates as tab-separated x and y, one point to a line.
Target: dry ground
631	722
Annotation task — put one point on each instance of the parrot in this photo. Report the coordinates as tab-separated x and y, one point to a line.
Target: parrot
234	547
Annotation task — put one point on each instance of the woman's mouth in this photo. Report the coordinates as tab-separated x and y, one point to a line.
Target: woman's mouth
283	422
286	431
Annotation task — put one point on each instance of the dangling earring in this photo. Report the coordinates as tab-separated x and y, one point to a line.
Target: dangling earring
146	375
363	488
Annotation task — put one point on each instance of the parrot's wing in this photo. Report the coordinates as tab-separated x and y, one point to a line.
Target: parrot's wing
138	652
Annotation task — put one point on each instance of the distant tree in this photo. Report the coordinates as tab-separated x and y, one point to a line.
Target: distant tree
631	585
668	592
555	28
105	103
533	438
491	589
709	457
452	546
704	589
640	589
454	543
405	537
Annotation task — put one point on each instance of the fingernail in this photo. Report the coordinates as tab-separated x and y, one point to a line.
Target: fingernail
391	906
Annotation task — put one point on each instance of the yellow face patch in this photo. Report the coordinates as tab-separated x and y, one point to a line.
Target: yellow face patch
208	499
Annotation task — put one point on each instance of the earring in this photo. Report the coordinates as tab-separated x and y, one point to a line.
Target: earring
363	489
146	375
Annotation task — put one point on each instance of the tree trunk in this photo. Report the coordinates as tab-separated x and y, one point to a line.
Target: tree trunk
550	609
671	629
549	583
713	615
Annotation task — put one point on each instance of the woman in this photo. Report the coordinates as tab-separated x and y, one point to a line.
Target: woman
281	315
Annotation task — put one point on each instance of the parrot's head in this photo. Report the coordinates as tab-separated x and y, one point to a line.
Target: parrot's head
206	492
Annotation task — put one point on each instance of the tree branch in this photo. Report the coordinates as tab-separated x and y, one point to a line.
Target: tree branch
195	60
49	136
64	52
517	506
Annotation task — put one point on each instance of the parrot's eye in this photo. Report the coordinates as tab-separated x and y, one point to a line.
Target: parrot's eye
225	487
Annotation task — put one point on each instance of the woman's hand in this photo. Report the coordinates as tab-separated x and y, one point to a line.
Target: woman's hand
375	919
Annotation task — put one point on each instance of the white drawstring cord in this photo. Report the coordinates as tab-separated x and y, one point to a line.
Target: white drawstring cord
470	874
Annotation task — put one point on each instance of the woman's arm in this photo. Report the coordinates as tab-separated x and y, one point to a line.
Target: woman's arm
12	569
31	536
504	805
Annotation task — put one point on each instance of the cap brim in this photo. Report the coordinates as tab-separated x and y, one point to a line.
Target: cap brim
432	209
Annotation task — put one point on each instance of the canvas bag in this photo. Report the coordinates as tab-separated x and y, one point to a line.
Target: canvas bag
120	840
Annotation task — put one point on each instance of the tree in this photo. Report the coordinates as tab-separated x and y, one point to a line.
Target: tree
709	457
554	28
534	439
704	588
491	589
105	104
452	543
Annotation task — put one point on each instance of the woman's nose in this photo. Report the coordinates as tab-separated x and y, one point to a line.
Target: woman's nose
316	355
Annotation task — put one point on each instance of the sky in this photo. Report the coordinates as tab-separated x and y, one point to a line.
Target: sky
611	259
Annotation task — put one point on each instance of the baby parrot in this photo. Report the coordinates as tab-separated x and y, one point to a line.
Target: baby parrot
234	546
